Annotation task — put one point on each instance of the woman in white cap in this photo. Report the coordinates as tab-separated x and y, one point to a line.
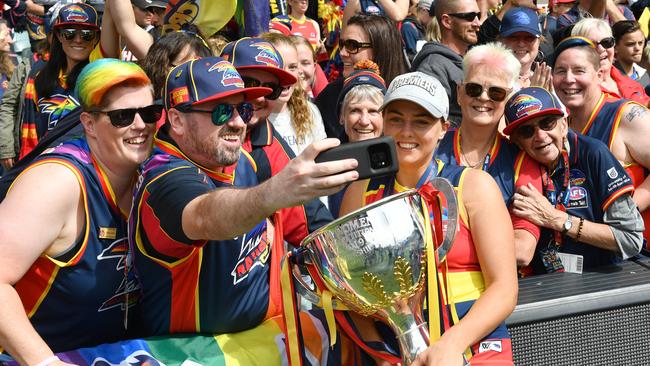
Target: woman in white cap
482	260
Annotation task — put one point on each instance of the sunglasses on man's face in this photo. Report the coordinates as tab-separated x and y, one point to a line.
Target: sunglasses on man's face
250	82
468	16
495	93
124	117
353	46
86	35
527	131
607	42
222	113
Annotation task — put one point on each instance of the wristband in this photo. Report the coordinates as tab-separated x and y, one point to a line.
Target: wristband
48	361
582	221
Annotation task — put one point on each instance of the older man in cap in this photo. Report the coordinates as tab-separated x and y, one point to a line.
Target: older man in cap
208	253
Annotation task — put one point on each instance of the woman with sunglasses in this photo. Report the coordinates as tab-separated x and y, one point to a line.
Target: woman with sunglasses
366	37
296	118
480	264
63	224
490	74
75	36
586	204
612	81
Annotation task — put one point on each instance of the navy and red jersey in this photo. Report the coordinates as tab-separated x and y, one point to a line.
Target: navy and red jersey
464	280
510	167
79	298
603	125
195	286
596	179
269	154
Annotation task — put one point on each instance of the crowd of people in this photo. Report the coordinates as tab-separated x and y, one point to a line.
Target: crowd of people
153	180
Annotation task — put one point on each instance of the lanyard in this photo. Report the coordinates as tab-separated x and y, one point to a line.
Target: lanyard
558	199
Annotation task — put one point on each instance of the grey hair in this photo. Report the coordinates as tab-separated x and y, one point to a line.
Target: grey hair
493	54
362	92
583	27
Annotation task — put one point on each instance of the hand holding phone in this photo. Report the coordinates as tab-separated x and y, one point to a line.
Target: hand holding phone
376	157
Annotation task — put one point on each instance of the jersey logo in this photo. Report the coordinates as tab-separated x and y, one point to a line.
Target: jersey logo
495	346
254	252
612	173
577	177
578	197
56	107
128	292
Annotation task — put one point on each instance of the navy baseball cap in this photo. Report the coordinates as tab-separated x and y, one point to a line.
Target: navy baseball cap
570	42
79	14
282	24
257	54
529	103
365	73
203	80
520	20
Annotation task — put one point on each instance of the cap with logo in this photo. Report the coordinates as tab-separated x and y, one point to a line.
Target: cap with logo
257	54
529	103
79	14
203	80
421	89
143	4
520	20
282	24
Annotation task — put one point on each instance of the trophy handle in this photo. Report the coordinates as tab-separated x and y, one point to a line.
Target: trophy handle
447	190
299	259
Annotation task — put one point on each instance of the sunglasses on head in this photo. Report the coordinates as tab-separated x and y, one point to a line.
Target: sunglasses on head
607	42
250	82
468	16
70	33
124	117
353	46
527	131
495	93
222	113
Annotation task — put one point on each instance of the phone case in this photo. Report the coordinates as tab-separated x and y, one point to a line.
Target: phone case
376	157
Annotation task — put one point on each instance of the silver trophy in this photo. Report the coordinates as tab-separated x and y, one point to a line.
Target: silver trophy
373	261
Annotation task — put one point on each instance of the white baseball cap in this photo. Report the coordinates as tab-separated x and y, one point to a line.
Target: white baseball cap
421	89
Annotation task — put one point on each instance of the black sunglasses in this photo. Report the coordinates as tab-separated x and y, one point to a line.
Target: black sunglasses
124	117
250	82
607	42
495	93
469	16
70	33
353	46
527	131
222	113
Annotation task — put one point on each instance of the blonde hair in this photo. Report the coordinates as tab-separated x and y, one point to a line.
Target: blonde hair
493	54
433	31
302	120
6	66
583	27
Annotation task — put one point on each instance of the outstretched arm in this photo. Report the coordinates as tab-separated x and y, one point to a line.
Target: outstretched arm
300	181
137	39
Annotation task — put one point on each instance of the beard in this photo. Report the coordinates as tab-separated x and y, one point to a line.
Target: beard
216	152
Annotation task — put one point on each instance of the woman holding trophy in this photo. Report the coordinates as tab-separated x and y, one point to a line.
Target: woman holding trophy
477	280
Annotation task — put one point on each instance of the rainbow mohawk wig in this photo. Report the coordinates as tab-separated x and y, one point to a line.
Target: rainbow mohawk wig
98	77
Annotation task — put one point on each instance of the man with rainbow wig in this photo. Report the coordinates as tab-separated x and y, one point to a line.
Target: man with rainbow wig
63	238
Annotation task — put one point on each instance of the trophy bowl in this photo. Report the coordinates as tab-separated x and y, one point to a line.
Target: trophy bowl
373	260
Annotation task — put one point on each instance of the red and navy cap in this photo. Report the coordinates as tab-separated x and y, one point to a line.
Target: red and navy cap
282	24
203	80
79	14
529	103
257	54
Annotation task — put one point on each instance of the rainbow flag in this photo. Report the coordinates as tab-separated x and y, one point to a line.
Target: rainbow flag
262	345
209	15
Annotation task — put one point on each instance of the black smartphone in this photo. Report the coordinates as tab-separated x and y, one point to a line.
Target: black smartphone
376	156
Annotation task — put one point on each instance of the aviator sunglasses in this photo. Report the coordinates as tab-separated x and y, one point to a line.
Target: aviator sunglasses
527	131
495	93
250	82
70	33
124	117
353	46
469	16
222	113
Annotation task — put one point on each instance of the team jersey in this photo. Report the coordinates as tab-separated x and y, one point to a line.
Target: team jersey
603	125
371	7
510	167
306	28
193	286
596	179
79	298
463	270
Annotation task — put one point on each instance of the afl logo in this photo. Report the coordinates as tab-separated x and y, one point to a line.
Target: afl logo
577	193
